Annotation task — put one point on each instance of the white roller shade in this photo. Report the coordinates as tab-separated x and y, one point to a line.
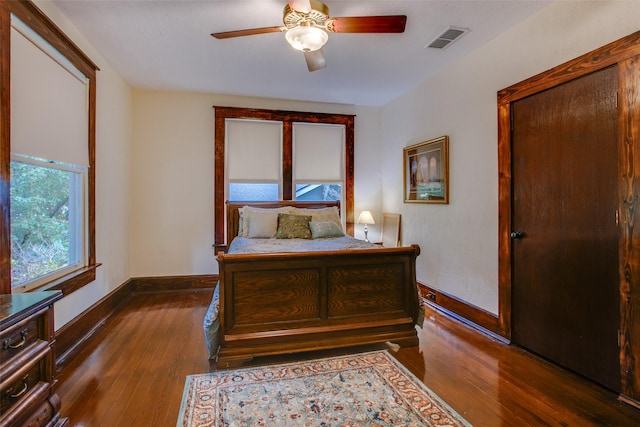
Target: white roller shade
49	104
318	152
253	150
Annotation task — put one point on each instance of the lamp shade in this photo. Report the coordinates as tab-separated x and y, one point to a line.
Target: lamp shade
306	38
365	217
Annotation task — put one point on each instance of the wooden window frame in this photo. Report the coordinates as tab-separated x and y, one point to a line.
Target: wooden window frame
287	118
29	13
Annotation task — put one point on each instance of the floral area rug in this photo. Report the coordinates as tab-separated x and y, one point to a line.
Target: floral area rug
367	389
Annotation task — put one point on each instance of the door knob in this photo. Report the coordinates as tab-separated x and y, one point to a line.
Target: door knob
517	234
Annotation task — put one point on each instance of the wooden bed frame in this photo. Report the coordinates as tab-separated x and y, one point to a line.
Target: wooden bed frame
293	302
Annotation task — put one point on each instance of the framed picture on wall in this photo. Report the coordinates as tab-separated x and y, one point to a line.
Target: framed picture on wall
426	172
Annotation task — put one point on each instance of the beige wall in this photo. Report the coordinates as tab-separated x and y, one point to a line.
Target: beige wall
155	159
113	179
459	241
367	170
154	183
171	222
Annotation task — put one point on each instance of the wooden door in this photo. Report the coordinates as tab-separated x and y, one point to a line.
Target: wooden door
565	236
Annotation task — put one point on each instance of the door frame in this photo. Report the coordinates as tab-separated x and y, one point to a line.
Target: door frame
625	54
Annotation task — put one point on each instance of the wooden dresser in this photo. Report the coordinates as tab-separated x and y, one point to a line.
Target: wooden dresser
27	360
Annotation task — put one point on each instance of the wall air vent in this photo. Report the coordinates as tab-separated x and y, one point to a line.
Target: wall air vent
447	37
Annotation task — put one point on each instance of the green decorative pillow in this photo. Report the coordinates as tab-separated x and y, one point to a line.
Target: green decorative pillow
320	229
293	226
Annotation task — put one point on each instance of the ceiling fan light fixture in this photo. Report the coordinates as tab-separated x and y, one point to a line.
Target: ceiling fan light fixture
306	38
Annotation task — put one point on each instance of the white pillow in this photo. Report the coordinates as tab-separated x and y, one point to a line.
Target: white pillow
240	221
261	222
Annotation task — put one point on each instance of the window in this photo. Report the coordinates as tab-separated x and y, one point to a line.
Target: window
48	84
47	221
318	161
253	160
253	191
256	174
319	192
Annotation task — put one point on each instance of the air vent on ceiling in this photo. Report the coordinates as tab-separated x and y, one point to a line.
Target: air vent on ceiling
447	37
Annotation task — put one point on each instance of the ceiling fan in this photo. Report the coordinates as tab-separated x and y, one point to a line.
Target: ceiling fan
307	22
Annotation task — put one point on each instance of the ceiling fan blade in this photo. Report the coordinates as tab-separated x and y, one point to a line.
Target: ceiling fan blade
369	24
249	32
303	6
315	60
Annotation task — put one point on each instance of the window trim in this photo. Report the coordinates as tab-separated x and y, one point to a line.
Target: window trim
28	12
287	118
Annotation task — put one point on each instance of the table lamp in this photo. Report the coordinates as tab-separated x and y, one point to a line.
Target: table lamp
365	218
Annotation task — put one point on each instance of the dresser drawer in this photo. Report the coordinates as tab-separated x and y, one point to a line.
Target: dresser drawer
34	409
19	385
18	337
39	416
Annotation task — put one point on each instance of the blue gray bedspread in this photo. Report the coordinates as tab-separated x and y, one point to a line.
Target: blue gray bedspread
244	245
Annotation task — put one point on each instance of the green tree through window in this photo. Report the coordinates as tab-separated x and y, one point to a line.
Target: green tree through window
42	220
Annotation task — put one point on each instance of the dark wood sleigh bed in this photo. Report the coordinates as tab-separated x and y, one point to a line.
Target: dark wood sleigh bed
276	303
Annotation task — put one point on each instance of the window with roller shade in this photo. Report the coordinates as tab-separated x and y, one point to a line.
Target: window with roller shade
254	160
50	139
318	161
307	187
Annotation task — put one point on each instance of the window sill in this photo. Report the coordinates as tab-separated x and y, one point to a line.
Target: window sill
72	281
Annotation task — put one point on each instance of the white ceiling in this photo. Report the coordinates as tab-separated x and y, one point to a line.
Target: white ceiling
166	45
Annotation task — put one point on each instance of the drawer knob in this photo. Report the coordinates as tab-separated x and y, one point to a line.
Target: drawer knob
8	344
23	390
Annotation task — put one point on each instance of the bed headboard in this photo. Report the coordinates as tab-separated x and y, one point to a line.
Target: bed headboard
233	216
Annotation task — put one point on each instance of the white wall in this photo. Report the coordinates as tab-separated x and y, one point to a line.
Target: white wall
154	177
113	139
155	159
171	224
367	173
459	241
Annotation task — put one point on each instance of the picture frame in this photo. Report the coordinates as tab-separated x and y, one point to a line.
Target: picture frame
426	171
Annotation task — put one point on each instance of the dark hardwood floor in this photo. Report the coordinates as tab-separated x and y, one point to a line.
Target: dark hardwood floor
132	372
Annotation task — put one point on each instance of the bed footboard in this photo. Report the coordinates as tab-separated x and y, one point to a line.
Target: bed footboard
293	302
